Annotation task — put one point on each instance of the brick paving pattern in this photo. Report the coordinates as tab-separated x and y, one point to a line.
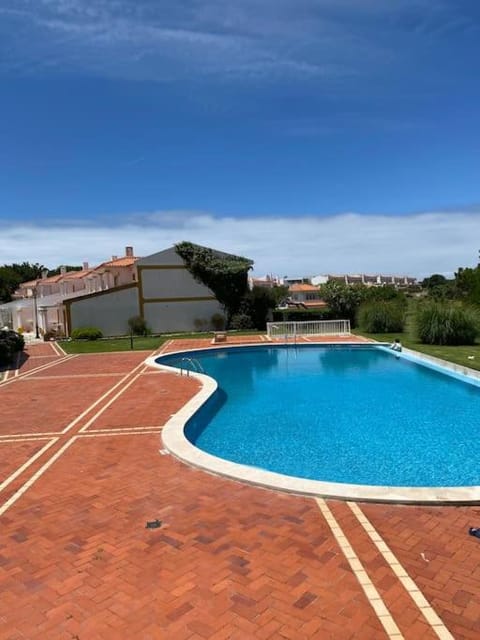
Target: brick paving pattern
229	561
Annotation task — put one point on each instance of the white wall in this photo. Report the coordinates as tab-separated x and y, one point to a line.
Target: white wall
164	317
108	311
172	283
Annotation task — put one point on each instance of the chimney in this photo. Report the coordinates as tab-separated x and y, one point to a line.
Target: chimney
114	257
63	270
85	266
44	274
129	252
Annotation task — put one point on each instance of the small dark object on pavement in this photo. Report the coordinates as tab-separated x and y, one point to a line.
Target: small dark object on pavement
154	524
474	531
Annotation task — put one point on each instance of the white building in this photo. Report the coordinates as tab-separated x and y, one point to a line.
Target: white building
166	295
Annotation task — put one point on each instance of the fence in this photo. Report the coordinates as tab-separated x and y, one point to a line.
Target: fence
309	328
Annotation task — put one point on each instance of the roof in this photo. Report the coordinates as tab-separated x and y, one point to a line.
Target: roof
50	280
302	287
124	261
313	304
74	275
170	257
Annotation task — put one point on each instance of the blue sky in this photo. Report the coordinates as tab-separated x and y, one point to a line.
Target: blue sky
311	135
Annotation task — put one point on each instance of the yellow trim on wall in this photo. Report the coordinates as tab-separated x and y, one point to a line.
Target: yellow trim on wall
161	266
191	299
141	299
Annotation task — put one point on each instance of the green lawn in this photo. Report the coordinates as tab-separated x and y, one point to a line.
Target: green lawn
140	343
458	355
112	344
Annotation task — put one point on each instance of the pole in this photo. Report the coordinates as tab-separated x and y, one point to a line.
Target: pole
35	311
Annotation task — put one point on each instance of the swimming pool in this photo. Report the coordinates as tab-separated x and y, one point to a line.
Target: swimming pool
344	415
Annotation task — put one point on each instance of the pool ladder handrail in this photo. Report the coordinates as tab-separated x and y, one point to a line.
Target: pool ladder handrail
194	363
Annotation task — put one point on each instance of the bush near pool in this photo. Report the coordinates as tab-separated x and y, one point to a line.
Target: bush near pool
86	333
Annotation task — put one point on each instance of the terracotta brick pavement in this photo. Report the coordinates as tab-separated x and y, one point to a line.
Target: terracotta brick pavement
433	544
14	454
227	556
229	561
37	404
148	401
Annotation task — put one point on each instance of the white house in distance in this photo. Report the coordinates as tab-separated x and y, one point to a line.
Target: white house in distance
40	303
376	280
305	295
166	295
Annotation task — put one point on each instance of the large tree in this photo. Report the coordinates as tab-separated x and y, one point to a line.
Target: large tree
342	299
12	275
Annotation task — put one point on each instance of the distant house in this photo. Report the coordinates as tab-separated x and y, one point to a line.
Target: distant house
306	296
165	294
268	281
42	303
366	279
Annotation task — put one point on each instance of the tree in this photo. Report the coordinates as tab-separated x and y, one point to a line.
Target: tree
467	284
260	300
12	275
226	275
386	293
433	281
343	299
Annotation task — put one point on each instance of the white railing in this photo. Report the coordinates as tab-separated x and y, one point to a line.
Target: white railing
309	328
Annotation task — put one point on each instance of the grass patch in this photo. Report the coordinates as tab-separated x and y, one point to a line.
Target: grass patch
456	354
140	343
112	344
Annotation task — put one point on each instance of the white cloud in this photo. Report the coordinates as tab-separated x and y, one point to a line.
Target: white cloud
416	245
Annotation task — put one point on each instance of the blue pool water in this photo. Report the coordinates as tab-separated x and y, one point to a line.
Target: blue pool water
341	414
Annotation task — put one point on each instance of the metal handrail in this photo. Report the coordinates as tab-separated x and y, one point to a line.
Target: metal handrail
194	363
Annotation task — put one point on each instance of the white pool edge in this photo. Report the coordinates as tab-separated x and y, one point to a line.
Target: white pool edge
175	441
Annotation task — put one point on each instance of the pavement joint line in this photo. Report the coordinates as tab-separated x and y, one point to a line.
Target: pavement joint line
164	346
98	401
125	432
40	434
158	426
369	589
115	397
42	367
25	466
19	493
56	347
13	439
31	439
407	582
80	375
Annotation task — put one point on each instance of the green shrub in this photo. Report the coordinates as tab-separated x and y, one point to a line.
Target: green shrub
138	326
241	321
10	343
381	316
444	324
302	315
6	352
87	333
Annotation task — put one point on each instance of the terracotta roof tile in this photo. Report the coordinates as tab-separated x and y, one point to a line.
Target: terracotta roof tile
125	261
302	287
